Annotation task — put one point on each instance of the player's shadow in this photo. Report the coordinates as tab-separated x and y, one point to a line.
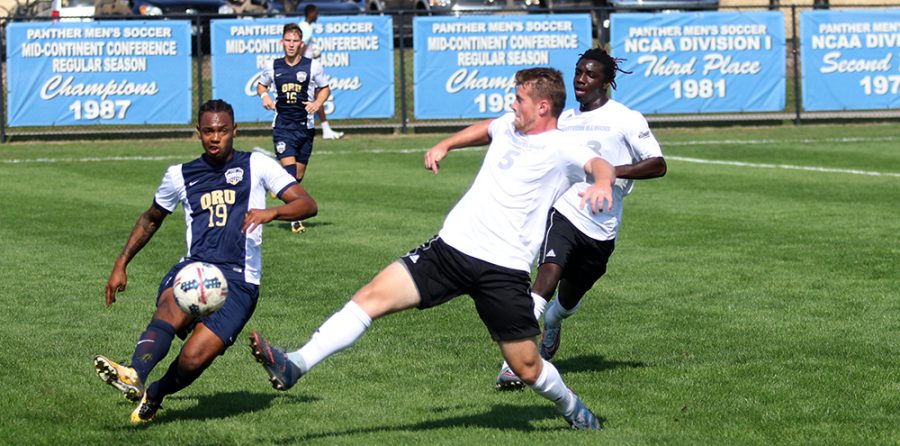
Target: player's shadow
224	405
501	416
593	363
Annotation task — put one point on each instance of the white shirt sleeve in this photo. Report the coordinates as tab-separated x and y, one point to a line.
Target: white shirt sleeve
319	78
576	152
273	177
642	141
267	75
500	124
170	190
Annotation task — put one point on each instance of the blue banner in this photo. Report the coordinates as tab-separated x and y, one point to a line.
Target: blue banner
847	59
700	62
464	67
100	72
356	52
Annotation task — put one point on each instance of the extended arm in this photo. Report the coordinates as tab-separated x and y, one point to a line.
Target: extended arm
473	135
654	167
147	225
298	205
599	195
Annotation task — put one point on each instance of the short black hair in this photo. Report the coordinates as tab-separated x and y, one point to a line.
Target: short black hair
215	106
291	28
309	9
610	64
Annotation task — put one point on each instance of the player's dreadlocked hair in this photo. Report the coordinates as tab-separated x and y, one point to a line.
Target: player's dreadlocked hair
215	106
546	83
610	64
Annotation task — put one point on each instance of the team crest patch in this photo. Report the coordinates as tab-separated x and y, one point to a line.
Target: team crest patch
280	146
234	176
301	76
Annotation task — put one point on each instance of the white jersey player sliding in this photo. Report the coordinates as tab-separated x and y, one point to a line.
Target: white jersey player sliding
486	246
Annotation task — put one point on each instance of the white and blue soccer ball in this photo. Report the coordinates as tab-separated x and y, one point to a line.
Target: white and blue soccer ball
200	289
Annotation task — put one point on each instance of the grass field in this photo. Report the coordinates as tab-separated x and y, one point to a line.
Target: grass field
745	304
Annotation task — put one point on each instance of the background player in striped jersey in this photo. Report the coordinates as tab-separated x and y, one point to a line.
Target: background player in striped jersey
577	244
223	193
301	87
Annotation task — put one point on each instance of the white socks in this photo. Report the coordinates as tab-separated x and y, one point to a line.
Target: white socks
325	126
556	313
551	386
340	331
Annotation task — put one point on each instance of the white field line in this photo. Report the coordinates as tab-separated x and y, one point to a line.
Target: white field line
422	150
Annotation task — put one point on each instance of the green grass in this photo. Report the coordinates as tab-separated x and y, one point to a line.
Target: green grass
742	306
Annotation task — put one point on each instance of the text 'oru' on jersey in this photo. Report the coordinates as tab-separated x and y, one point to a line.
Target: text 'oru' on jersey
215	200
294	85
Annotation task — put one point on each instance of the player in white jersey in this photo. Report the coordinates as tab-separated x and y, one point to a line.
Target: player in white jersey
311	14
577	244
223	193
485	247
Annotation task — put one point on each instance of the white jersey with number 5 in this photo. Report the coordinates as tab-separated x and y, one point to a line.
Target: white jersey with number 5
619	135
501	217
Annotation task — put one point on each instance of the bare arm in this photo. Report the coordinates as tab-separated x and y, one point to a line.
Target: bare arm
298	205
321	96
263	91
147	225
599	195
473	135
643	170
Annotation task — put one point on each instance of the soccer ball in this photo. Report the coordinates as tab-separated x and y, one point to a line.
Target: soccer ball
200	289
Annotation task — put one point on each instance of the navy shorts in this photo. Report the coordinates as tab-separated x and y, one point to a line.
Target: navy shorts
582	258
502	295
228	322
297	143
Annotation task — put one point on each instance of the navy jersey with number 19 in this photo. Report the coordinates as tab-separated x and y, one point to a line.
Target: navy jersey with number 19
215	199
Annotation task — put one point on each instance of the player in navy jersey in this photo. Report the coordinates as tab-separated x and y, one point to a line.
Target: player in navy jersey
223	193
301	87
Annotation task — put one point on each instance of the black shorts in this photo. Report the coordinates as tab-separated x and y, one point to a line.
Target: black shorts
583	259
502	295
297	143
228	321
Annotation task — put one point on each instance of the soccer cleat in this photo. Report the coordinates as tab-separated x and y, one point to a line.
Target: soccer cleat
124	379
146	410
507	380
297	227
582	418
550	342
332	134
283	373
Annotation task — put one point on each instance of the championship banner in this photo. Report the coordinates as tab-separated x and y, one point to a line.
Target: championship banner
464	67
99	72
848	59
357	53
700	62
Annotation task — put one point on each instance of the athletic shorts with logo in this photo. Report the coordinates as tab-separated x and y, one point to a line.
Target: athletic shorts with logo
294	142
229	320
583	259
502	296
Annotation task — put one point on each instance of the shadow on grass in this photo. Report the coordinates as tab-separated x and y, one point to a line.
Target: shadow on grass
594	363
220	405
501	416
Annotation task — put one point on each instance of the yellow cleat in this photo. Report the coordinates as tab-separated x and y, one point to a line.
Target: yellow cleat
146	410
124	379
297	227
